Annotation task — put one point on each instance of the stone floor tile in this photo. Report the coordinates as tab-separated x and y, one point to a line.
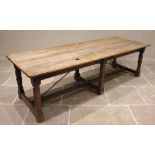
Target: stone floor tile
7	94
54	115
123	96
87	74
151	67
148	94
52	100
106	115
150	78
127	79
145	115
148	61
18	101
145	70
111	83
83	96
12	114
4	77
11	69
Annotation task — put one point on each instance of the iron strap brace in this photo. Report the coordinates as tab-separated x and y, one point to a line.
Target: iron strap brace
54	84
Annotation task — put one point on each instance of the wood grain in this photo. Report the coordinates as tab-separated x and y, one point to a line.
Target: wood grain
49	60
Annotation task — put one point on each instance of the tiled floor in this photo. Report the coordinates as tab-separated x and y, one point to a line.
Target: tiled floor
127	99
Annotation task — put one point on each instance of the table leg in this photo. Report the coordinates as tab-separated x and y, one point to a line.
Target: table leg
140	58
101	78
37	99
19	81
77	75
114	63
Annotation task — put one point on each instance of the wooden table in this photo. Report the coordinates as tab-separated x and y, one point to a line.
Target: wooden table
41	64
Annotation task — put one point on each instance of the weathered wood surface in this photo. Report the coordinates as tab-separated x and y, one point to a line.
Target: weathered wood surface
56	59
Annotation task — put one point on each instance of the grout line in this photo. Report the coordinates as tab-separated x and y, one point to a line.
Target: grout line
7	104
119	105
9	69
106	95
30	86
140	96
121	86
146	80
5	71
105	86
25	116
118	81
14	99
6	80
148	69
69	115
132	115
133	105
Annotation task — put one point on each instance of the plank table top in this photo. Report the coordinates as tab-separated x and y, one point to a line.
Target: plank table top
52	60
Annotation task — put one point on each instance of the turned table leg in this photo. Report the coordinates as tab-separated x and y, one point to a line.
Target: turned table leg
19	81
37	99
101	78
140	58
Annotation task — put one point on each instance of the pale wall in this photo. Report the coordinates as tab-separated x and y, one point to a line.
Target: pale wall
11	41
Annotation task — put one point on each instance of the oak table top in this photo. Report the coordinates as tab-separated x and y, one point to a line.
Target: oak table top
51	60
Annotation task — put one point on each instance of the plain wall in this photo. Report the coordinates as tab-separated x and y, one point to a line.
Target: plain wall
21	40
